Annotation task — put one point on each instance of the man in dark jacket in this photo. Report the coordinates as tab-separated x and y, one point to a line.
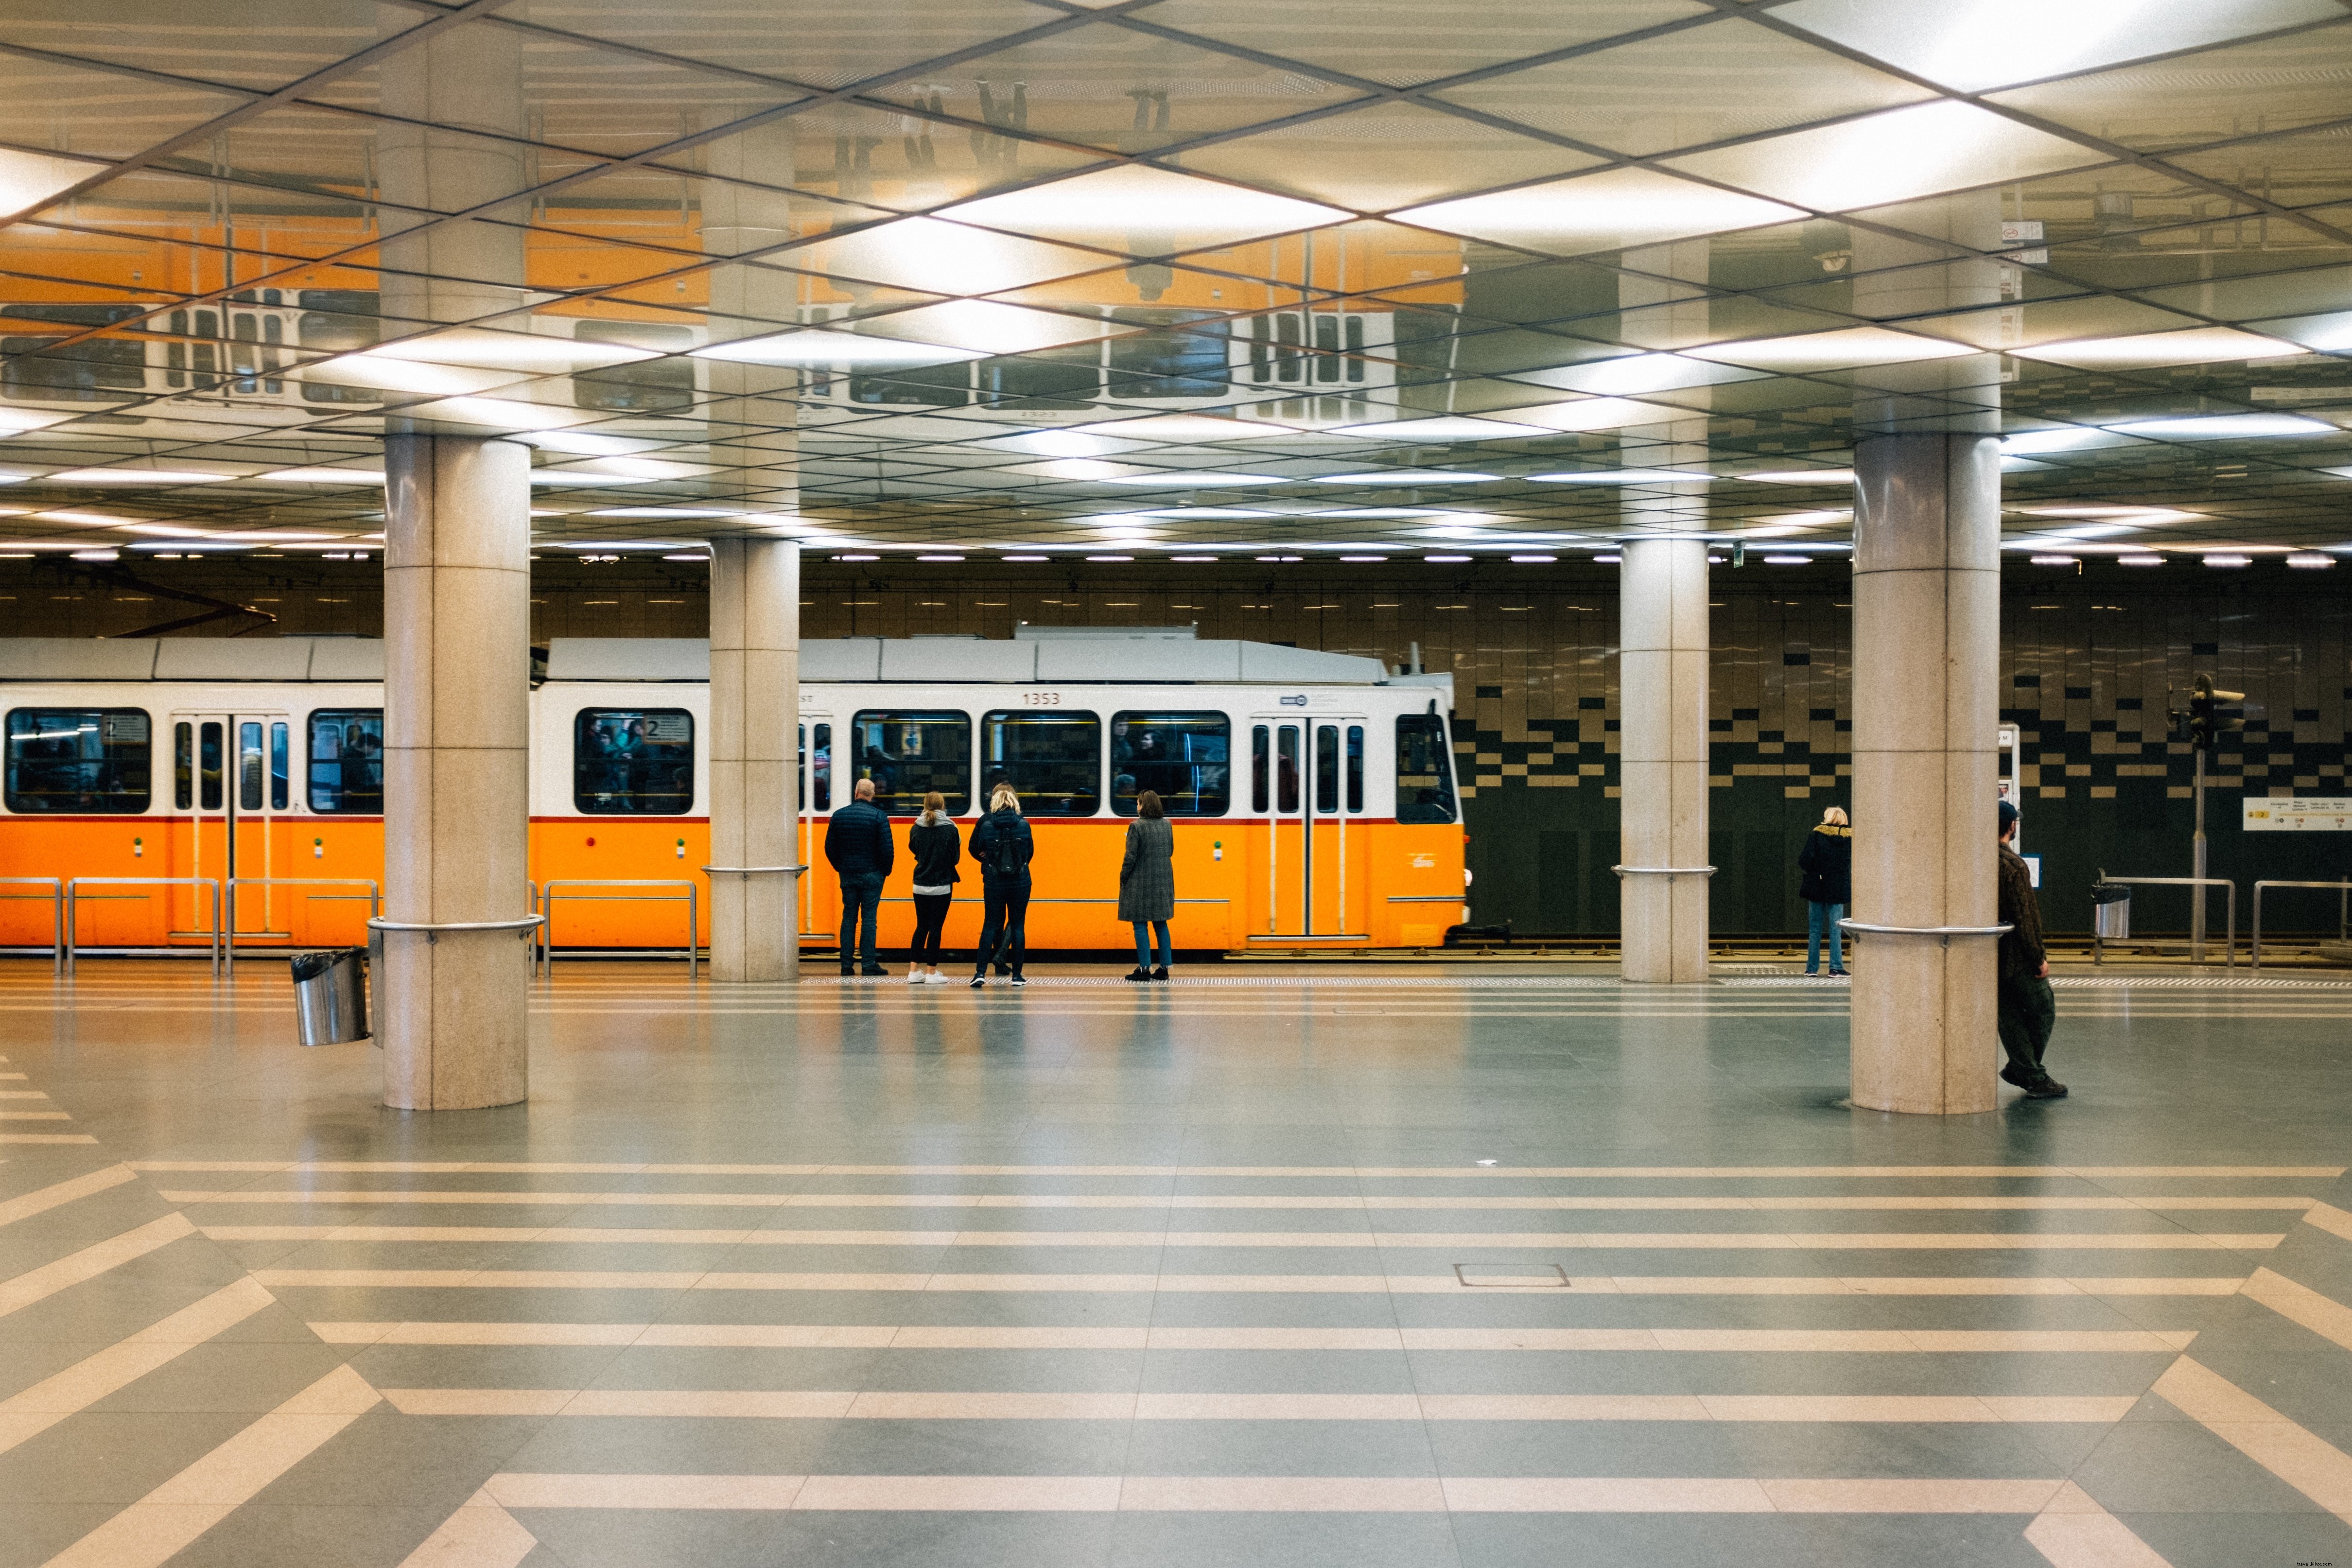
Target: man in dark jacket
2028	1010
857	846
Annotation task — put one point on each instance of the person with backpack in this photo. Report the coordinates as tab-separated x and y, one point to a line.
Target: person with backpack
1827	862
1002	844
1147	884
936	846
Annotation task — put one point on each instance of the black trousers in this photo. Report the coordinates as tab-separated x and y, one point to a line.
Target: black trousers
930	915
1003	932
2027	1012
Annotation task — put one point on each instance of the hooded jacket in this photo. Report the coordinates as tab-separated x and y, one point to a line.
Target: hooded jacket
1827	862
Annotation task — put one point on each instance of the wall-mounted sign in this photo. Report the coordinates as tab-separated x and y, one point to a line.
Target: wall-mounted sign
2298	814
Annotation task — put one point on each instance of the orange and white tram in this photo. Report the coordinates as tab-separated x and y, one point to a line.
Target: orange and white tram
1312	793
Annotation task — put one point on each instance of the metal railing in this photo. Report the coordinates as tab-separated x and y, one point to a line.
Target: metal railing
2343	911
1944	934
2196	946
75	883
691	899
228	936
57	897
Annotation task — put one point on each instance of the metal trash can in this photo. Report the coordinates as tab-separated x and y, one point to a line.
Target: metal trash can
330	995
2111	912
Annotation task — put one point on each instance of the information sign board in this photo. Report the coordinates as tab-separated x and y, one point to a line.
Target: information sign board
2298	814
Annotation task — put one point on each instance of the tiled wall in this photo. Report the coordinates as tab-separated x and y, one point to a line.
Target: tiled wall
2090	664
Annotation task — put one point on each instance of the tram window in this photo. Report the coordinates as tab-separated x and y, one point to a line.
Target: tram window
908	754
1051	378
280	772
1286	769
1425	777
1355	767
632	761
184	765
209	767
337	320
1188	361
249	765
649	386
97	371
80	760
938	386
1259	798
1183	757
1055	760
347	762
1327	768
817	777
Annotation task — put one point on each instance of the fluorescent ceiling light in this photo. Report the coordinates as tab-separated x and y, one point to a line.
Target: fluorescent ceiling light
503	413
1975	45
96	555
2229	560
1625	477
1444	560
1180	427
134	477
1142	209
1442	428
1638	372
1363	558
2146	514
2310	559
938	557
1850	348
1407	476
2091	530
323	477
1824	476
392	373
1014	558
1894	155
1787	561
2060	439
821	348
1612	211
1179	559
489	349
986	327
91	519
29	179
1203	512
663	511
1113	557
2193	345
1198	481
586	445
935	256
1361	512
1797	522
2056	561
1084	468
2226	427
1535	560
1061	444
13	419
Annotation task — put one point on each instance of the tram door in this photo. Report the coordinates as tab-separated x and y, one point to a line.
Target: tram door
232	778
1306	780
820	894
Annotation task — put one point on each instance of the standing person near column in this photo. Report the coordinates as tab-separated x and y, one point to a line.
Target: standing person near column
857	845
936	846
1827	862
2028	1010
1147	884
1001	843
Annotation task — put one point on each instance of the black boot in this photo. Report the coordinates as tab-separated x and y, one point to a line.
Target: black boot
1139	972
1160	972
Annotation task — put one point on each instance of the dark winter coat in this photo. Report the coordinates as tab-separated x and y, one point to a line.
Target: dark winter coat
1827	861
1003	835
858	840
1147	874
936	849
2020	908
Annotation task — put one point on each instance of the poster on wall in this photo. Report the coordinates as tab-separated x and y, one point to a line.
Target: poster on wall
2298	814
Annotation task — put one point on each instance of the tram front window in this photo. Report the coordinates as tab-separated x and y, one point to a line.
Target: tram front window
1183	757
80	760
1424	780
908	754
1053	759
632	761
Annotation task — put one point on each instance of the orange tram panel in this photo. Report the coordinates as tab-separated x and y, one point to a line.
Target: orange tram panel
1312	794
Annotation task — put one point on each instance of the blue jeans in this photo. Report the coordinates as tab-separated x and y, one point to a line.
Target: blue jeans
1818	917
1144	931
861	892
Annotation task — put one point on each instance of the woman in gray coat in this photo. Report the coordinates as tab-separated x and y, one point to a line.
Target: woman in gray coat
1147	884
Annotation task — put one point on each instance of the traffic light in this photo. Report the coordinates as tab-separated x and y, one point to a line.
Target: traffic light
2207	721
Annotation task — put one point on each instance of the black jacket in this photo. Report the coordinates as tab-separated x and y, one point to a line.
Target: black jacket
858	840
936	849
1827	861
1003	835
2018	908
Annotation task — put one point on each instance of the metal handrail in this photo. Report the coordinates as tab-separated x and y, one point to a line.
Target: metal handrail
72	883
754	870
434	928
1663	870
2343	887
57	887
1944	934
229	937
2229	942
691	899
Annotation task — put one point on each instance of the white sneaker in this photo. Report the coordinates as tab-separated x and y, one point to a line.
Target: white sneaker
936	978
914	976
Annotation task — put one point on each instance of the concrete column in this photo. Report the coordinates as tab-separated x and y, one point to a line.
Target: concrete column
1661	703
755	677
453	1005
1926	642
